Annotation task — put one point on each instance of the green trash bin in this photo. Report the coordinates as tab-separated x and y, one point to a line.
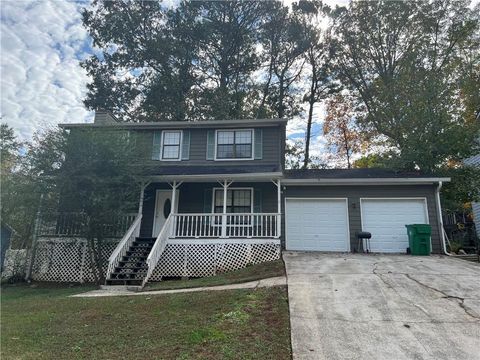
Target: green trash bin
419	236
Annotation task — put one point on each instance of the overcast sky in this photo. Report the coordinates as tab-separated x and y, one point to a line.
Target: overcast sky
42	83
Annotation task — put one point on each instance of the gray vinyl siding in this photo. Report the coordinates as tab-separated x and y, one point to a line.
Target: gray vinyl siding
282	144
354	193
273	148
191	199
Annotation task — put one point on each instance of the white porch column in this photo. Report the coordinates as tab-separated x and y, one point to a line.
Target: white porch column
142	195
174	209
279	208
174	197
225	185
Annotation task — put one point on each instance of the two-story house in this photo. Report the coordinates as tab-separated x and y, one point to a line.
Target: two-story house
217	198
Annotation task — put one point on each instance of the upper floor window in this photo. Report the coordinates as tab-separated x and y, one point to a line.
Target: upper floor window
234	144
171	141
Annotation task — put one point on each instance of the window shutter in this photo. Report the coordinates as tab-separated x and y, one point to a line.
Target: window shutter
258	154
257	201
157	142
186	145
210	145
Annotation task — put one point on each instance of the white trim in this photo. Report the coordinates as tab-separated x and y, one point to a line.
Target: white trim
372	181
223	241
179	146
320	198
425	202
174	209
233	188
234	159
348	227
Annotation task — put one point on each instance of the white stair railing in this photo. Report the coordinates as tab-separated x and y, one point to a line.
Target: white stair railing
244	225
158	247
132	233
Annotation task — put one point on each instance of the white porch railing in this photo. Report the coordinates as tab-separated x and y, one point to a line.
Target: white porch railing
122	247
245	225
158	247
72	224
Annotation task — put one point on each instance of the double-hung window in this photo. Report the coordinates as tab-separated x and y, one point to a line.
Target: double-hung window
234	144
238	201
171	141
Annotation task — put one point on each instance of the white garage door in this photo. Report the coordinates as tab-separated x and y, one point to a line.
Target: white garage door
386	220
316	224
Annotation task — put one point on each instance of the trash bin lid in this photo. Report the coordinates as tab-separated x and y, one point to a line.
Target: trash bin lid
420	228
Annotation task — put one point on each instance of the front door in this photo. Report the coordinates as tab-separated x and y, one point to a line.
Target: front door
163	208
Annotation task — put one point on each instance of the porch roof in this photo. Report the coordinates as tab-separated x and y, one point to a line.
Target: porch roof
214	173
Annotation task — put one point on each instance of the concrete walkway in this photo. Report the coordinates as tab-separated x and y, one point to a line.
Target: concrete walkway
353	306
275	281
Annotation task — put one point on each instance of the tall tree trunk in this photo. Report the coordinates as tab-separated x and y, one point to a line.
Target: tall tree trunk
311	103
96	257
93	259
347	148
266	89
281	94
308	134
94	243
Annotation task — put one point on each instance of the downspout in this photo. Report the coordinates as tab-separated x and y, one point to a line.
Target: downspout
440	218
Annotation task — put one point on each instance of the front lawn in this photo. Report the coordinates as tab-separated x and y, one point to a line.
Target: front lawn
43	323
250	273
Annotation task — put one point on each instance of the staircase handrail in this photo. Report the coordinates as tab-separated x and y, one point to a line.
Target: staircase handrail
158	247
124	244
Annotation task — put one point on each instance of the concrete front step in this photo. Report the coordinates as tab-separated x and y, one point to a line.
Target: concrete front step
121	288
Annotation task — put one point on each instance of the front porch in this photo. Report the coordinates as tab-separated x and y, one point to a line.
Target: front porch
204	228
183	228
212	210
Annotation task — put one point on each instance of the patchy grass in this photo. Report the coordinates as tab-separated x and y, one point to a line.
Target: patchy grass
250	273
43	323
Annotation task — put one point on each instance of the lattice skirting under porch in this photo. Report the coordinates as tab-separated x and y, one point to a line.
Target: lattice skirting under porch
193	259
67	259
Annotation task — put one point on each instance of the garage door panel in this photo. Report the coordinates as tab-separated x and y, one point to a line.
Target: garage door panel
316	224
386	220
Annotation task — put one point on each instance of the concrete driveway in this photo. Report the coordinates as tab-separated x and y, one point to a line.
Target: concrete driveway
352	306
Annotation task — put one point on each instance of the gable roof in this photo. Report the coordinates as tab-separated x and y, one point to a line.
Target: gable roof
178	124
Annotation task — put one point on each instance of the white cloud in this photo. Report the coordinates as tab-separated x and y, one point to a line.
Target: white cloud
42	83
